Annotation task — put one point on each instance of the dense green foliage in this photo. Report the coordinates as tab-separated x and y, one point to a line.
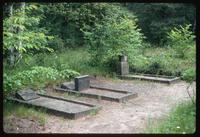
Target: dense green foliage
21	32
155	19
181	120
189	75
104	31
87	38
36	76
115	35
181	51
182	40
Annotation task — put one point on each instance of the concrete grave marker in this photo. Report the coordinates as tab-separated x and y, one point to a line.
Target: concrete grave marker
123	67
82	82
26	94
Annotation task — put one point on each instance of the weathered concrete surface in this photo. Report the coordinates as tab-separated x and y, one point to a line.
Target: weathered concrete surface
60	105
69	108
107	93
123	68
151	78
82	82
99	92
26	94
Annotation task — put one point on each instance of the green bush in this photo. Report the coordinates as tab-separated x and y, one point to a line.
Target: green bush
117	34
10	83
189	75
181	40
66	73
140	64
35	77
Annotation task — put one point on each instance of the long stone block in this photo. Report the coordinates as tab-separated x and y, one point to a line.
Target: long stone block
60	106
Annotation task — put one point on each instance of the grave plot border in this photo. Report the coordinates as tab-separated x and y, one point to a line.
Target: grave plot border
128	95
150	77
70	115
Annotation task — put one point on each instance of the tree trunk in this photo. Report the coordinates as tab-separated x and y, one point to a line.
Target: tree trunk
18	55
11	59
194	27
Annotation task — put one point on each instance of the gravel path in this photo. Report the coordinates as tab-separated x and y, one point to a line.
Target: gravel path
153	103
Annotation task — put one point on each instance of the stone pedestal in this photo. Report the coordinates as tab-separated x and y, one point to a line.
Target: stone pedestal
123	67
82	82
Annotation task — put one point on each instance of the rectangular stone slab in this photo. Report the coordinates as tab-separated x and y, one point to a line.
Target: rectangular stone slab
82	82
60	106
102	93
164	79
26	94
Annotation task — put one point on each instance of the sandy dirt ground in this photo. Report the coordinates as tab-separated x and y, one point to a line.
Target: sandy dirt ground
153	103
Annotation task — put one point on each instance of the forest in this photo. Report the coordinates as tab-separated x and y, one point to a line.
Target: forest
45	44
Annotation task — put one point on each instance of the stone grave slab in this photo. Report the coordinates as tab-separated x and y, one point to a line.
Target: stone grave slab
26	94
148	77
59	106
123	68
99	92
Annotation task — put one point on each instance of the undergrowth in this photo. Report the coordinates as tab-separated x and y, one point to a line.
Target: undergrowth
181	120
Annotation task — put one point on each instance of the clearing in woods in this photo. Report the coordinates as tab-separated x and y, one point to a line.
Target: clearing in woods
153	103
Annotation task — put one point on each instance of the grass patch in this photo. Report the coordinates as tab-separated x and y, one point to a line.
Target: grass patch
181	120
71	95
157	60
19	110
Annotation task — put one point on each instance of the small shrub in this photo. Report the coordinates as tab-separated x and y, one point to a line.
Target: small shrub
181	39
35	77
155	65
140	64
10	83
189	75
66	73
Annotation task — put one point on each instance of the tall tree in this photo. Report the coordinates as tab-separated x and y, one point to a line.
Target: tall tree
11	49
21	32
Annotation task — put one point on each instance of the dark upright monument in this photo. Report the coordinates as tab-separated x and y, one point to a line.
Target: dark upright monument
82	82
